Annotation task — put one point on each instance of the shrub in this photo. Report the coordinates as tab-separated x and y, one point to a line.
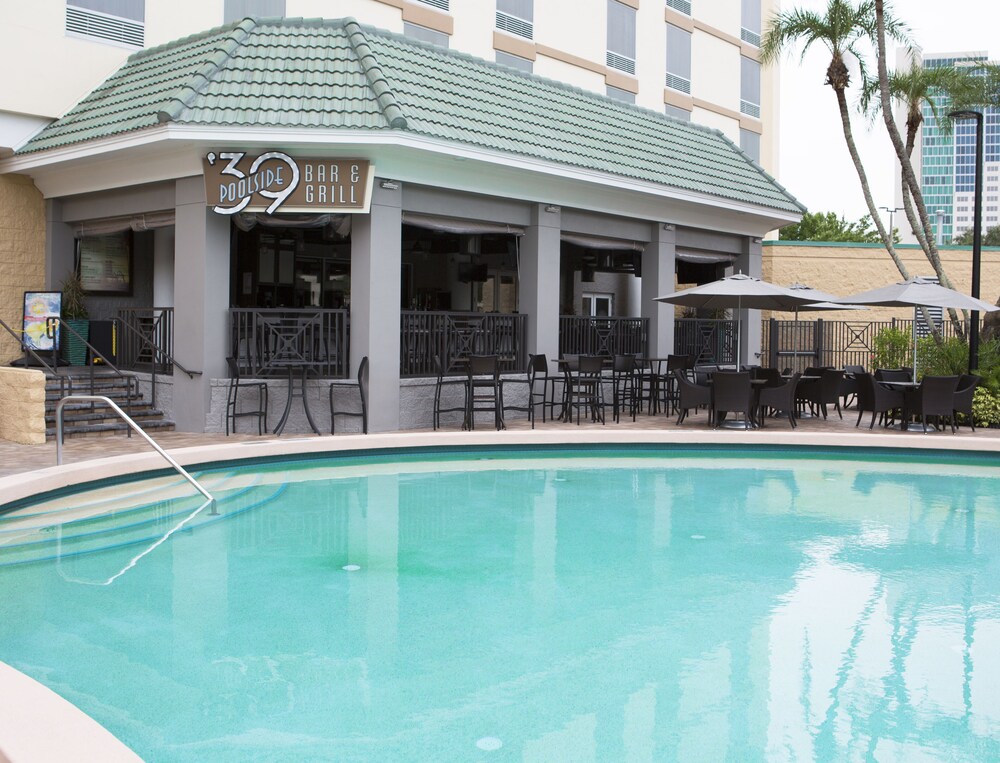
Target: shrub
949	358
985	408
892	348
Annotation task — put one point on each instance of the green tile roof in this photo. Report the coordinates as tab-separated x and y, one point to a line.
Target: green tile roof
329	74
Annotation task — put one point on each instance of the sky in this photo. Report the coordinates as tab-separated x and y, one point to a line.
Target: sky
813	162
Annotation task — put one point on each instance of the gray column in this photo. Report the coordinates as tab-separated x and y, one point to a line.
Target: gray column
539	281
376	261
163	267
201	283
658	277
59	246
750	263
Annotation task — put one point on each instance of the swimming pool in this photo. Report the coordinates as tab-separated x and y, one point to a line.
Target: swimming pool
539	605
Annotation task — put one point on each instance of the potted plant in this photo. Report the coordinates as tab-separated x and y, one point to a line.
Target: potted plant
74	315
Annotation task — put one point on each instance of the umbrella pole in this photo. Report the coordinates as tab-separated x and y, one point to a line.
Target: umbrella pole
915	343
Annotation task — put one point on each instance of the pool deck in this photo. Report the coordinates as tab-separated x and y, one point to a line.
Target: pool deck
26	470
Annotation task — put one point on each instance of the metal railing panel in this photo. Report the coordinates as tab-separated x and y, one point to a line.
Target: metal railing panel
707	340
272	341
453	336
604	336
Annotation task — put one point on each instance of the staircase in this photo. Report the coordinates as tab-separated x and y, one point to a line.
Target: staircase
95	419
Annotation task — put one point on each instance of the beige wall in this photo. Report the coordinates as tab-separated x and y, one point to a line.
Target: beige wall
22	406
22	253
845	269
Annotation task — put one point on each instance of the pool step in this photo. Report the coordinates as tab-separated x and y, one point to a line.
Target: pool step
109	524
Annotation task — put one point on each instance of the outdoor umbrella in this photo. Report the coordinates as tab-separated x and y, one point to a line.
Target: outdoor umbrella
823	300
738	291
918	292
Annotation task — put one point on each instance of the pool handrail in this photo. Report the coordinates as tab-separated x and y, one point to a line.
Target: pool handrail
128	420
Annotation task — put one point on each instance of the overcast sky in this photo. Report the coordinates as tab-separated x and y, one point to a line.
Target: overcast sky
813	161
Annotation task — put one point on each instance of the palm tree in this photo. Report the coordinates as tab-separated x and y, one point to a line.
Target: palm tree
840	30
915	88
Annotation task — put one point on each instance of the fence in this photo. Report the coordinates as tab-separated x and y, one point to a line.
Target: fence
585	335
274	341
146	338
799	344
453	336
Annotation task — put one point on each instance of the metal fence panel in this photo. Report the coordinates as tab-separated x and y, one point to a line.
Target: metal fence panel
604	336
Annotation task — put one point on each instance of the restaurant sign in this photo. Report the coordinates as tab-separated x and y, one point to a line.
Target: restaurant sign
275	181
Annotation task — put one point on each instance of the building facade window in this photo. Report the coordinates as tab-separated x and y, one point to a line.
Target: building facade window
750	143
620	95
598	305
681	6
516	17
514	62
749	87
621	37
422	33
116	21
677	112
236	10
750	22
678	59
441	5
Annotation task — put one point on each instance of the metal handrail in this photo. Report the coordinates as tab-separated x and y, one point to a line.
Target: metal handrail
128	420
154	355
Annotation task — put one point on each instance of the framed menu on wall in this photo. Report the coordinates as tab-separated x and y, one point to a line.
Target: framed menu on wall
106	263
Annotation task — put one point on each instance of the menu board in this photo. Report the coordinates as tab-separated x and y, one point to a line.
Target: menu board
106	264
41	307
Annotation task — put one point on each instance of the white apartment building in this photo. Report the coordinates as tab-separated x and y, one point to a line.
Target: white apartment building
694	59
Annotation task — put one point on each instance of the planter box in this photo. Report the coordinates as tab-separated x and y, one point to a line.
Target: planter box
72	349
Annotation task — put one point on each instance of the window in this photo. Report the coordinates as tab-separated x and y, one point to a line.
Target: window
677	112
621	95
516	17
749	87
424	34
117	21
750	143
235	10
441	5
750	32
621	37
598	305
681	6
514	62
678	59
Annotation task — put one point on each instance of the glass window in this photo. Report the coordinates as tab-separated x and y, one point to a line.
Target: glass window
749	87
114	21
424	34
750	32
515	62
621	37
750	143
677	112
678	59
123	9
236	10
523	9
516	17
620	95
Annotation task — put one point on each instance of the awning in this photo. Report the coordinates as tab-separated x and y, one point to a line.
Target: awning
702	257
110	225
599	242
455	225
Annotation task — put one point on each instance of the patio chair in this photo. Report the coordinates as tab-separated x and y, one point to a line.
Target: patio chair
233	409
849	385
875	397
536	381
935	397
484	390
822	392
585	388
690	396
363	392
894	374
623	389
778	399
967	384
770	376
731	393
439	387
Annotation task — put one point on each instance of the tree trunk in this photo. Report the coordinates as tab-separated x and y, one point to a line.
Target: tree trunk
926	240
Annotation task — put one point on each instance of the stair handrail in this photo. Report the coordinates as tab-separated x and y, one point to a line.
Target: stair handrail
156	351
38	358
128	420
128	378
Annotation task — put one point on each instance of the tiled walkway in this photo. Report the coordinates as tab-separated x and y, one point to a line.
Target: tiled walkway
16	459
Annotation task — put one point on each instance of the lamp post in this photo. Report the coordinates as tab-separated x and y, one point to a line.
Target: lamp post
891	211
977	233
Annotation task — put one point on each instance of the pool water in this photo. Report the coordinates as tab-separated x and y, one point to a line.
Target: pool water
541	606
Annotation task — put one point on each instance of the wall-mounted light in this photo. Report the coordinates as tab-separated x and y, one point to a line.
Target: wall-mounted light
668	226
552	208
756	240
389	185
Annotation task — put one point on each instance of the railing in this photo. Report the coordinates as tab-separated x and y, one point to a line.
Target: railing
273	341
146	337
586	335
708	341
454	336
799	344
128	420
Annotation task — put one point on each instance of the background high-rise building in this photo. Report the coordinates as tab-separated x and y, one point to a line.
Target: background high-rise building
696	60
945	161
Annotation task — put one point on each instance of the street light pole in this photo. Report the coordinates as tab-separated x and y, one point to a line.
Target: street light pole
977	233
891	211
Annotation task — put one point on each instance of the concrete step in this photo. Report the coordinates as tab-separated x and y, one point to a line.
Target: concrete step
103	429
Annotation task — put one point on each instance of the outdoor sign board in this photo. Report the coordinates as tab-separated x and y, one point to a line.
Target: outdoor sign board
41	307
106	263
276	182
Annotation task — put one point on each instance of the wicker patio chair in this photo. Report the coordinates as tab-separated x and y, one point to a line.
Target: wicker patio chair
778	399
967	384
731	393
875	397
